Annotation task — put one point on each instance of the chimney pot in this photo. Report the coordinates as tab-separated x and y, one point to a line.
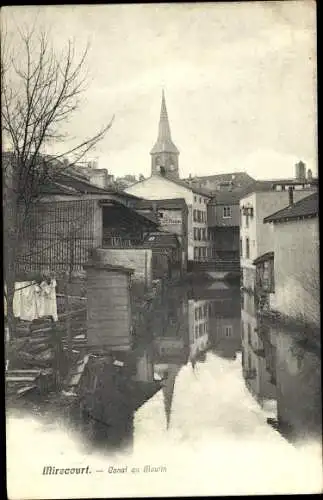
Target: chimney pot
291	195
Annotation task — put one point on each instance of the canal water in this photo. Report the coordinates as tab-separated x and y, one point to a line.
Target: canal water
239	412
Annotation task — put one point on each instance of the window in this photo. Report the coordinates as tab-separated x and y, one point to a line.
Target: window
247	249
227	212
196	331
247	220
228	331
195	199
195	215
200	200
196	314
195	233
241	248
196	254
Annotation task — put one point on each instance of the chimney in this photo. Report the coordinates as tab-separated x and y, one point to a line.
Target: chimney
300	171
291	195
309	175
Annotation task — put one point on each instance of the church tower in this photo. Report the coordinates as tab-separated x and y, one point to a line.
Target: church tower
164	155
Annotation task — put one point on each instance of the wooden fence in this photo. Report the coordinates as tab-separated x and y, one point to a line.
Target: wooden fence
57	236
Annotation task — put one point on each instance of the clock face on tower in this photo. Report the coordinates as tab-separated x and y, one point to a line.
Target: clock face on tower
172	167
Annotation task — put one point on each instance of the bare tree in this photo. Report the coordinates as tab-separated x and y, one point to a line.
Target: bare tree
41	90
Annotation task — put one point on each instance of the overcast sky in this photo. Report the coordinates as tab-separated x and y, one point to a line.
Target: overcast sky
239	80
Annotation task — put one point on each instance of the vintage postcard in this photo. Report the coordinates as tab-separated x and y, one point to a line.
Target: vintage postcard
161	250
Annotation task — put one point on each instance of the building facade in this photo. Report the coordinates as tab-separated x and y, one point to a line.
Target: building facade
164	183
256	238
224	225
172	215
295	235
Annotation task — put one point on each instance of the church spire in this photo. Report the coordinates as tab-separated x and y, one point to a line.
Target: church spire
164	154
164	142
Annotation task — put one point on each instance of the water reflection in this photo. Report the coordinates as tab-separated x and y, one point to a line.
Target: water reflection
281	374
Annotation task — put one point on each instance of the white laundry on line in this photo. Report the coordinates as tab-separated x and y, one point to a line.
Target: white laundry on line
32	301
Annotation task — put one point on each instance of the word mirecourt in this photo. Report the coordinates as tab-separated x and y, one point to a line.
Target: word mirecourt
51	470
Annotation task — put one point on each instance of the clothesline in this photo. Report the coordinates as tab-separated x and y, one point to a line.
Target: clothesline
72	296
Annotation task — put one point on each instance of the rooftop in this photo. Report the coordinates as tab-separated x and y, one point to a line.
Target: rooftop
238	178
264	258
269	185
183	183
68	184
306	208
165	203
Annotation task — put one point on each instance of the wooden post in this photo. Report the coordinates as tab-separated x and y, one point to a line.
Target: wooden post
67	293
146	271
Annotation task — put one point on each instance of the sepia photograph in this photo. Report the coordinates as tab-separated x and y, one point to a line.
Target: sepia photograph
161	250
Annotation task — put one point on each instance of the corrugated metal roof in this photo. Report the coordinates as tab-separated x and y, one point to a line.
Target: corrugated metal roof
307	207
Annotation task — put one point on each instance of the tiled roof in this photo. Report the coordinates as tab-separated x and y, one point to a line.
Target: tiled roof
307	207
241	178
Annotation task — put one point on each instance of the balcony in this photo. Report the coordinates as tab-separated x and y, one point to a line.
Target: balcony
113	241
